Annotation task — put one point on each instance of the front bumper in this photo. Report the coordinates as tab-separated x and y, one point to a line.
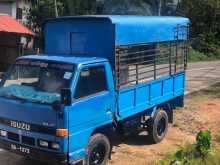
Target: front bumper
33	153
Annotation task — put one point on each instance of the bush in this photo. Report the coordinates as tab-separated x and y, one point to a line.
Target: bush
203	143
209	44
205	25
194	154
195	56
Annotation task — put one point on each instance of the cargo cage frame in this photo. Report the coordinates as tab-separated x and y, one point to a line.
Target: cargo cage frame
135	60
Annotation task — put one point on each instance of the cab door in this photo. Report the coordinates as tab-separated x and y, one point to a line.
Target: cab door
93	104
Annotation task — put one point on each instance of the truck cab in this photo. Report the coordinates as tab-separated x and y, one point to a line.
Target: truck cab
99	76
34	102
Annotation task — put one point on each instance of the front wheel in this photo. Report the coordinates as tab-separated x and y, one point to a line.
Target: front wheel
158	126
98	150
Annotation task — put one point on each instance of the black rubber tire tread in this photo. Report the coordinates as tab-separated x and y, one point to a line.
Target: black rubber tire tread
98	138
152	129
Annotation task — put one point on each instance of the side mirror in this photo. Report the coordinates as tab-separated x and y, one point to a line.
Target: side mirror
66	96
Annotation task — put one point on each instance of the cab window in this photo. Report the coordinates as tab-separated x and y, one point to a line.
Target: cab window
91	81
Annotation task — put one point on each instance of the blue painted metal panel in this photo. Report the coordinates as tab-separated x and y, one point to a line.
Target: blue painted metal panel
149	95
156	90
88	114
70	36
127	100
29	112
84	116
168	87
142	95
179	84
79	43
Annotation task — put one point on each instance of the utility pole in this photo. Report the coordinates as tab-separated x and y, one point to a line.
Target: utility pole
55	7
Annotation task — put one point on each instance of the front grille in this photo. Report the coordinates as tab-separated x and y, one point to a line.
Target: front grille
28	140
13	136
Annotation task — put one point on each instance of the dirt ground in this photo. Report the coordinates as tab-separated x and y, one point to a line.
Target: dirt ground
201	112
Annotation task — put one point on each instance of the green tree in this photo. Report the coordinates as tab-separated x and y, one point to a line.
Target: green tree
44	9
205	24
41	10
81	7
127	7
122	7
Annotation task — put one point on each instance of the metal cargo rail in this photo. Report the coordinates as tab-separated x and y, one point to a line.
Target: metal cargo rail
140	63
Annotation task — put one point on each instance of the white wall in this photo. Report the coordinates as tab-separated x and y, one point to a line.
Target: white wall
14	10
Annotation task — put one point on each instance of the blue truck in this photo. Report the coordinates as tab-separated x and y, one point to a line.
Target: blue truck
99	76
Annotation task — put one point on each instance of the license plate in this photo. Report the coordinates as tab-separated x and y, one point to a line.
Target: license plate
21	149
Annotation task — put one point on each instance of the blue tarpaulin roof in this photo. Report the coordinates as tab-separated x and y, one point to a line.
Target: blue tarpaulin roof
140	29
98	36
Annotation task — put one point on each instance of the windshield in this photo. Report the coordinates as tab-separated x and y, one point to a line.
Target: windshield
37	81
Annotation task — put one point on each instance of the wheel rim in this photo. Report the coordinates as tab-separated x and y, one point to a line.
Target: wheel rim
97	155
161	126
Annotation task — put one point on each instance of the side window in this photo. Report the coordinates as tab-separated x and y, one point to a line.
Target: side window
91	81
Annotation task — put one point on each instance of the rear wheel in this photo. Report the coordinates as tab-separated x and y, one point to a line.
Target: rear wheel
158	127
98	150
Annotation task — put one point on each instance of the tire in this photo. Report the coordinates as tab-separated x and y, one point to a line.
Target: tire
158	127
98	150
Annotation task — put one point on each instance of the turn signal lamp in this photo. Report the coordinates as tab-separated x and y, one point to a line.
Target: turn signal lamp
62	132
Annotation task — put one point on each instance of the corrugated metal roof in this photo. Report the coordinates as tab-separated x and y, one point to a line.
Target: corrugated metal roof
10	25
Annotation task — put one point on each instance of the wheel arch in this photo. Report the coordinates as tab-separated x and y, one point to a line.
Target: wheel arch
168	109
107	130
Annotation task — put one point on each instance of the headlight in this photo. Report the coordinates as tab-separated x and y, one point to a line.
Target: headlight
49	144
55	146
43	143
3	133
